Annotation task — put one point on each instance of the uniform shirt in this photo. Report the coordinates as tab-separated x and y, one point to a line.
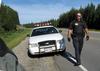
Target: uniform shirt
78	28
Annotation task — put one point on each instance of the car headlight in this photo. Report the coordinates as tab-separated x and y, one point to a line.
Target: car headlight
61	41
34	45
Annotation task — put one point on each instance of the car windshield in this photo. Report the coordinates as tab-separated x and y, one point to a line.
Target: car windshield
42	31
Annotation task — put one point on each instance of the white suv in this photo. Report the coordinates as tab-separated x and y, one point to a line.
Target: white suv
45	39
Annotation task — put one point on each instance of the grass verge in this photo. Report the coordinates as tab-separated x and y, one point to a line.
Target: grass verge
13	38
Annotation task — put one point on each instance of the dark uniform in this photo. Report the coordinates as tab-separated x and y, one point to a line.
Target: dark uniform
78	37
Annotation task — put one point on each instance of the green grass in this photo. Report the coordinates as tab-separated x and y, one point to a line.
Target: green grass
13	38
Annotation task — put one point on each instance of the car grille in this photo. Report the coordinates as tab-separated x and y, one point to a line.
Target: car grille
47	43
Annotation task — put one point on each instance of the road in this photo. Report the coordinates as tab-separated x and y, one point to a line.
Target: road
62	62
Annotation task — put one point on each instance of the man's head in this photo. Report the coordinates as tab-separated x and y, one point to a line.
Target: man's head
78	16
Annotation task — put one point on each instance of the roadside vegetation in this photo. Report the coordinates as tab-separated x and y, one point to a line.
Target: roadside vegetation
11	31
13	38
91	15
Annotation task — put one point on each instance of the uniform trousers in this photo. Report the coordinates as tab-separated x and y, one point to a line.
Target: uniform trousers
78	45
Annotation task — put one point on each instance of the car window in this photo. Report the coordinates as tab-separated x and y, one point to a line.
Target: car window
42	31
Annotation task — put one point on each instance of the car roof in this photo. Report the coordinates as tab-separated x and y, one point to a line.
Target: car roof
42	27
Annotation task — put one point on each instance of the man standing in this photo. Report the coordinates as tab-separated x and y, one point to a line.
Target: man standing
77	31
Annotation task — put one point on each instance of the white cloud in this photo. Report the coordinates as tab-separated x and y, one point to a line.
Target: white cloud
39	12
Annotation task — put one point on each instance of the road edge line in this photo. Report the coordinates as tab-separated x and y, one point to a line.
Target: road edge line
81	66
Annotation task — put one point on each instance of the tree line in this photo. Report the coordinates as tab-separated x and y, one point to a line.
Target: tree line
90	14
8	18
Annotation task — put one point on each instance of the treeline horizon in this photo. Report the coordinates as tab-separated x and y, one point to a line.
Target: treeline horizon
8	18
90	14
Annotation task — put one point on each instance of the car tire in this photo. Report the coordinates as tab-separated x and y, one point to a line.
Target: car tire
29	54
63	51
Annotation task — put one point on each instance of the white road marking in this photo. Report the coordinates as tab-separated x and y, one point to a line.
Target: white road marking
81	66
73	59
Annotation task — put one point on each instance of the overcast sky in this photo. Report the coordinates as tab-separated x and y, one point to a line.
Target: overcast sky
42	10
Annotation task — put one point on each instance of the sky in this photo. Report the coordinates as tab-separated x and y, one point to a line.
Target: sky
43	10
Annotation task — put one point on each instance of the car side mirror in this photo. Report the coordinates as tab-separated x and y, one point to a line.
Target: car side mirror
60	31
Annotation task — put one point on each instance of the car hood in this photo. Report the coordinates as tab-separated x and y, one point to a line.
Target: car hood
36	39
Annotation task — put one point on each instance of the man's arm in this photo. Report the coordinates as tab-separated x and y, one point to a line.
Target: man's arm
69	34
70	31
87	33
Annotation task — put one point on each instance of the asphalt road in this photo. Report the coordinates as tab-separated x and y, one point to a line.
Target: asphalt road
63	62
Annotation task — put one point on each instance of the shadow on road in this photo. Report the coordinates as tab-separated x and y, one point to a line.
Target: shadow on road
69	57
66	55
41	55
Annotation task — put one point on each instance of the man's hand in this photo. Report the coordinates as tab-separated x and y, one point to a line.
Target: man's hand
87	34
69	35
87	37
69	39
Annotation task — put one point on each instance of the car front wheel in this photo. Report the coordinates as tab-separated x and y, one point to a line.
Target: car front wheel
29	54
63	51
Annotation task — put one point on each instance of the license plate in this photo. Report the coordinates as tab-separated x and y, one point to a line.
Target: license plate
48	49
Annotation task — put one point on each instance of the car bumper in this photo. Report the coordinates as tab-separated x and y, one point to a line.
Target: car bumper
45	52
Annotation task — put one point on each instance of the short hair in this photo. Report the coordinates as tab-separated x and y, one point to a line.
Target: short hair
78	14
